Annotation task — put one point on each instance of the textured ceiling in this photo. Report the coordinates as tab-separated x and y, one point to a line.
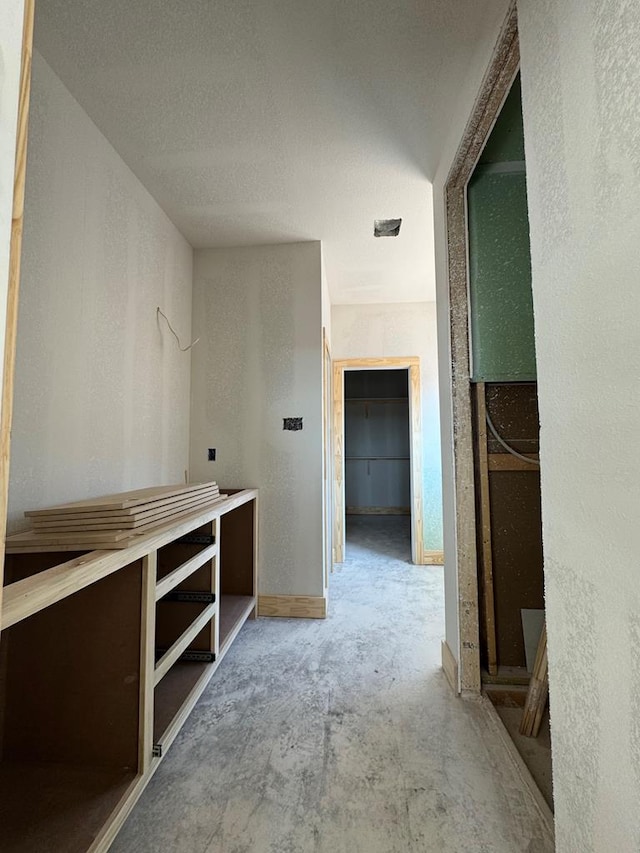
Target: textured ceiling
266	121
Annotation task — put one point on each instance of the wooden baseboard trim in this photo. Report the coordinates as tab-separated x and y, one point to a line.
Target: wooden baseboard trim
450	666
293	606
433	558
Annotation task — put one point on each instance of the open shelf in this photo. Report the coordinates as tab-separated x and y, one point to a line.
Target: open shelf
72	805
234	611
94	682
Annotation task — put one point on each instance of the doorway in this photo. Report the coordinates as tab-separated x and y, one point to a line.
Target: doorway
377	457
363	491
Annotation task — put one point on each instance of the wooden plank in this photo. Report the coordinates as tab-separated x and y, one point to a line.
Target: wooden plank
183	642
433	558
95	540
13	289
450	666
415	416
293	606
508	462
338	463
147	662
485	527
126	500
128	518
538	691
234	610
32	594
175	577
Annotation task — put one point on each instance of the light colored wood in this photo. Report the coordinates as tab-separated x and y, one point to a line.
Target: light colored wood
32	594
508	462
338	464
143	567
485	527
13	289
538	692
147	654
234	611
327	458
450	666
432	558
166	737
104	839
122	501
183	571
412	364
183	642
378	510
293	606
110	519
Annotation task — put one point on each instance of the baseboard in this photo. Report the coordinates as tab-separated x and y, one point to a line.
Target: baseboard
433	558
293	606
450	666
378	510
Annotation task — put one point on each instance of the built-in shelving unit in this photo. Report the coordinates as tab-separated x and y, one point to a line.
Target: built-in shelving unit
103	655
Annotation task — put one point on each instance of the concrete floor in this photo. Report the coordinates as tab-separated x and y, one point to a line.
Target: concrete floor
341	735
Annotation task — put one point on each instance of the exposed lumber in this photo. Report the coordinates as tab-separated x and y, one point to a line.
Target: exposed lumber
485	524
15	252
538	691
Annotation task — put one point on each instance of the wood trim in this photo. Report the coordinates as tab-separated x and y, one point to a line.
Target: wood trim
183	571
293	606
508	462
327	458
338	462
147	662
493	91
412	364
183	642
488	596
15	251
432	558
450	666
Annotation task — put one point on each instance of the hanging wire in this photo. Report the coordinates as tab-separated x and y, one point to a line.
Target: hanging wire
173	332
509	449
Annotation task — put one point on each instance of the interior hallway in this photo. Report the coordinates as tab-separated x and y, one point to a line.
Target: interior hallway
341	736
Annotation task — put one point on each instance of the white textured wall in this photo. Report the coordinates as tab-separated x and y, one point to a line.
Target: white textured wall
102	392
10	58
402	329
258	314
581	105
460	109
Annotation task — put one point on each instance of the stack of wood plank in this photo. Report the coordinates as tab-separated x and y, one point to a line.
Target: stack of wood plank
112	521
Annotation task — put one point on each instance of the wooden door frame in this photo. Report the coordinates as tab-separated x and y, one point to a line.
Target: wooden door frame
15	251
412	365
327	436
496	86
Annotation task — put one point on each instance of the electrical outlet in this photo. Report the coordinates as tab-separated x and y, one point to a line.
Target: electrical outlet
211	454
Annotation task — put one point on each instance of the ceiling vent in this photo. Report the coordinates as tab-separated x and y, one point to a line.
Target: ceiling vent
386	227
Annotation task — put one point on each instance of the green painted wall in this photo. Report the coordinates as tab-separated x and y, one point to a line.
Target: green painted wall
502	332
